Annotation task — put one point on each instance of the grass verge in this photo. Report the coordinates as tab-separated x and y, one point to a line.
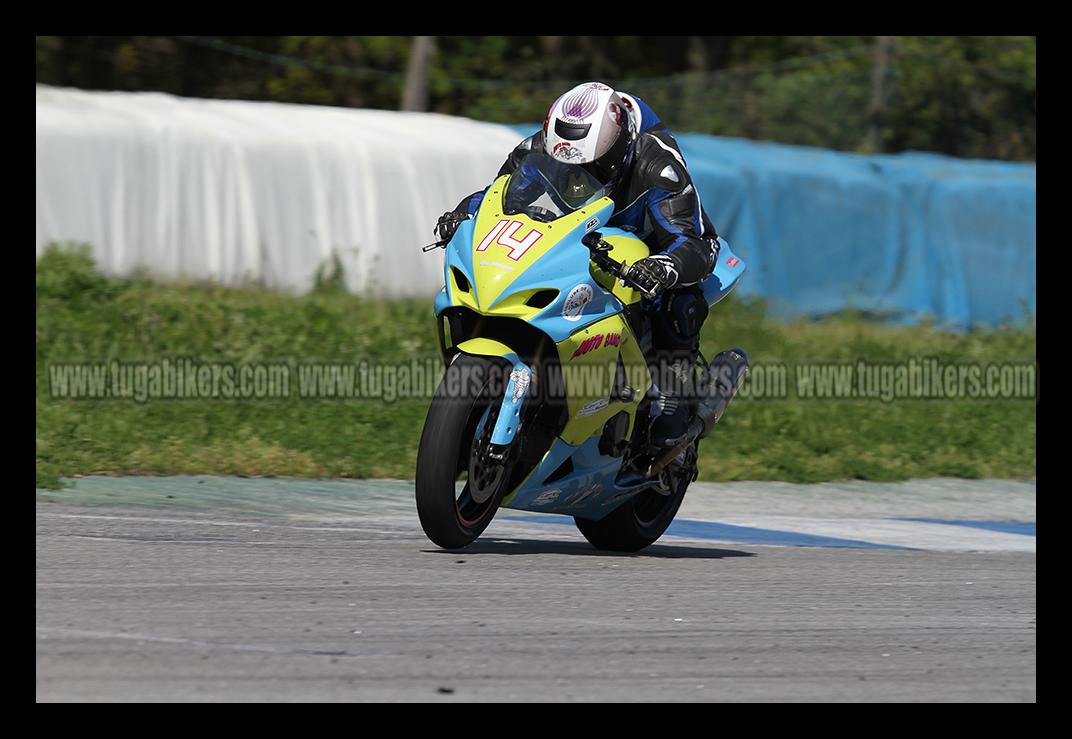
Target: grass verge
885	431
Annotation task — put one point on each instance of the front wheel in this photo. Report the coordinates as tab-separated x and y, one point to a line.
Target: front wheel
641	520
454	440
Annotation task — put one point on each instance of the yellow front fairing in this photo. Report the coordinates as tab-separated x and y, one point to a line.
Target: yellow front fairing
509	268
506	246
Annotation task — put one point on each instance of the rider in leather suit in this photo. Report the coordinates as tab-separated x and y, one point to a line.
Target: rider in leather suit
621	141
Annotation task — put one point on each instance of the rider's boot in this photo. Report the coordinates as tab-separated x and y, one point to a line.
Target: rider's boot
675	390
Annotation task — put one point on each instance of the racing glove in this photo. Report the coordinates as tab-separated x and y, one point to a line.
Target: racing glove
448	224
654	275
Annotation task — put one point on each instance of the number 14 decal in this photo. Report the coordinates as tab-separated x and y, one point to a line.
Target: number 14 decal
504	235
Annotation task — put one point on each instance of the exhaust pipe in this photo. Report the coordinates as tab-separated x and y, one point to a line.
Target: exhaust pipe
717	387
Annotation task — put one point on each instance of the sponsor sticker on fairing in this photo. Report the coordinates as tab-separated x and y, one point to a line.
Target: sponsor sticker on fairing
595	406
577	298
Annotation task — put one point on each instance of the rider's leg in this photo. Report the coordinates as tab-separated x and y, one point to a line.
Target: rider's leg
678	316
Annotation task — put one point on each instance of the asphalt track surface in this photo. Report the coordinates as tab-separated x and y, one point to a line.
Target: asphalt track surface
271	590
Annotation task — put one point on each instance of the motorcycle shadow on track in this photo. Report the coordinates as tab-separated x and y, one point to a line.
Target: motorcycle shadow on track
514	546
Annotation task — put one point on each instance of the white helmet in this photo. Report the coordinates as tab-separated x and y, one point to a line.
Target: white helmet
590	125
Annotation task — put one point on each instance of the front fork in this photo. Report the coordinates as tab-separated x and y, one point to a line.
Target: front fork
509	420
519	381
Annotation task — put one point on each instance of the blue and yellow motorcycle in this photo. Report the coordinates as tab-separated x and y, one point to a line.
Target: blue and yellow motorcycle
547	397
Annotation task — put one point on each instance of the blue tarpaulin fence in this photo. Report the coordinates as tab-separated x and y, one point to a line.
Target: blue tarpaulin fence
908	236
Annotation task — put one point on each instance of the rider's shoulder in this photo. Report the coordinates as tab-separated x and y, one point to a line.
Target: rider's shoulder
659	162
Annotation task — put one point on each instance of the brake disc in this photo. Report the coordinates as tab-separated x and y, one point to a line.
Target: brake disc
485	472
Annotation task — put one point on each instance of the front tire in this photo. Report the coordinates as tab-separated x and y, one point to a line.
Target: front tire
463	409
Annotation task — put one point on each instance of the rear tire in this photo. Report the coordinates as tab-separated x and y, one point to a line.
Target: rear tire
466	402
641	520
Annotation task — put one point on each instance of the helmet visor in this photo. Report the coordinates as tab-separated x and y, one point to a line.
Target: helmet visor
609	168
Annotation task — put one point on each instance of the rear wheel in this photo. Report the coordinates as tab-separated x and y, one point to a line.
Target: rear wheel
641	520
454	443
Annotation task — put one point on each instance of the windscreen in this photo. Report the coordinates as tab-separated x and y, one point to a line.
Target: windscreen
545	188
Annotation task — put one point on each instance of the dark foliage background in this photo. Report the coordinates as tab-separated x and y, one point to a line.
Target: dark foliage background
965	96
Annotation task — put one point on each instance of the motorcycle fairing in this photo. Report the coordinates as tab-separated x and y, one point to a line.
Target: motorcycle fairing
496	262
727	273
589	359
590	491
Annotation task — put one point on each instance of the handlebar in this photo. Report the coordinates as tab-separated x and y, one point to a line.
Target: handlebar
601	256
442	243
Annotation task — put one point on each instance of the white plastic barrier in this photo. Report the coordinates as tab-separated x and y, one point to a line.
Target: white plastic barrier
238	191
